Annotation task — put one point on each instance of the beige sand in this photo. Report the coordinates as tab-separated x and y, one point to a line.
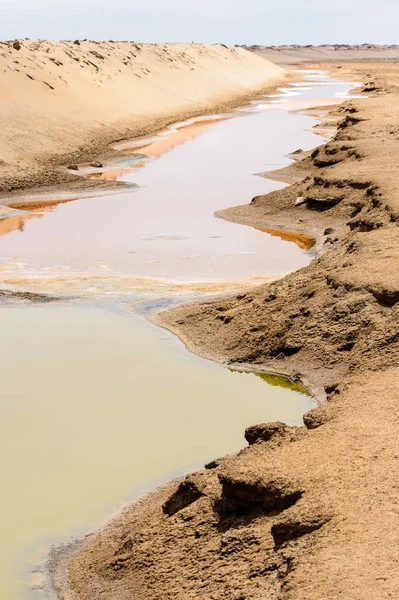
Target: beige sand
62	103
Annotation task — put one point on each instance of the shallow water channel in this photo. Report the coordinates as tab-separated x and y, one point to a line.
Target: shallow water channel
99	405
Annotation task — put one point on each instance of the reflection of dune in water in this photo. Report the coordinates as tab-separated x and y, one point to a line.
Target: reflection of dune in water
182	135
42	205
117	174
9	224
303	240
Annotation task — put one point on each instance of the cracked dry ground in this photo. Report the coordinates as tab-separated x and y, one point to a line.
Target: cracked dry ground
302	513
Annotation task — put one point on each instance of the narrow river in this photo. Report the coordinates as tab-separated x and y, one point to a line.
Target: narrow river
99	405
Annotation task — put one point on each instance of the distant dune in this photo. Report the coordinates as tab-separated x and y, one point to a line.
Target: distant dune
65	101
291	55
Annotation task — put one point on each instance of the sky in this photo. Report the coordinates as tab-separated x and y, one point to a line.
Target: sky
226	21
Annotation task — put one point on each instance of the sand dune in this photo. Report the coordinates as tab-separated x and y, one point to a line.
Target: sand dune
64	101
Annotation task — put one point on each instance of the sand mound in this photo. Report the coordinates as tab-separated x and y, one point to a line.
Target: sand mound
67	100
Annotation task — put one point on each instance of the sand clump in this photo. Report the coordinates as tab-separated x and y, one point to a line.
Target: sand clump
306	512
62	103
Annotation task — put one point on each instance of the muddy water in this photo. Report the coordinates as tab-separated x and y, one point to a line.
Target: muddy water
98	405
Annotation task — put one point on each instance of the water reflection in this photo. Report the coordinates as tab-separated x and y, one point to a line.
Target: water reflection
118	174
182	135
303	240
282	382
16	223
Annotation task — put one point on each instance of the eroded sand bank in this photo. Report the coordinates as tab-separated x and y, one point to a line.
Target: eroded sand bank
309	512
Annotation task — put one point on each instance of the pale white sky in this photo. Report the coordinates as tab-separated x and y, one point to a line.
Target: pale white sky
228	21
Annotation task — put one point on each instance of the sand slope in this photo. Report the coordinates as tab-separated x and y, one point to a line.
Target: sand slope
66	97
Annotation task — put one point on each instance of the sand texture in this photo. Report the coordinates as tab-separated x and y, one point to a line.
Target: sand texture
302	513
63	103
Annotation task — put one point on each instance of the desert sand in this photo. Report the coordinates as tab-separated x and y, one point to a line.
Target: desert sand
297	55
308	512
63	103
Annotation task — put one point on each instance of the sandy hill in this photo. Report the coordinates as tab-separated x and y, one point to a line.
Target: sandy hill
64	101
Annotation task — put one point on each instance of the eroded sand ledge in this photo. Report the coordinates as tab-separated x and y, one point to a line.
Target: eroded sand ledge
302	513
63	103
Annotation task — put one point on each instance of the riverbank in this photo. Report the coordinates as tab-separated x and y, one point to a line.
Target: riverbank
304	512
64	103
